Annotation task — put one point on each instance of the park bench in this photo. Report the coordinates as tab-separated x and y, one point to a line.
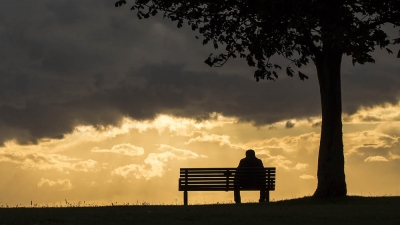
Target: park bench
222	179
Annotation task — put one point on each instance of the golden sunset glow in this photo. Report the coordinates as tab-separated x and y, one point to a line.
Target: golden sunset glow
139	161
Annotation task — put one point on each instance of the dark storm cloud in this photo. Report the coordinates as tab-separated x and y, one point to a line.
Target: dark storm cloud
68	63
371	84
156	89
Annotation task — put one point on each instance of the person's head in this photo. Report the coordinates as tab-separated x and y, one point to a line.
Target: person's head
250	153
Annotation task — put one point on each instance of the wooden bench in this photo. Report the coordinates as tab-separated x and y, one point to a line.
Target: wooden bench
222	179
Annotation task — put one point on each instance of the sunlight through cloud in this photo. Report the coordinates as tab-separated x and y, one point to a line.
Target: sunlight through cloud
307	177
376	158
123	149
61	184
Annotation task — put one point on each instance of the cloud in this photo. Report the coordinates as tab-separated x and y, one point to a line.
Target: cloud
284	163
300	166
384	112
369	142
307	177
42	161
153	166
376	158
317	124
389	128
221	139
162	124
123	149
182	126
289	124
393	156
204	137
155	163
308	142
180	154
60	184
85	166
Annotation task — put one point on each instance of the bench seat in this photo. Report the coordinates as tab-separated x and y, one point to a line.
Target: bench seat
223	179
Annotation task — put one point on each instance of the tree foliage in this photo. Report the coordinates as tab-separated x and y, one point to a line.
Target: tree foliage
256	30
299	30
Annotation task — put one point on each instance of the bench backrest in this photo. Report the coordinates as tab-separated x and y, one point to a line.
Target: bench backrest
223	179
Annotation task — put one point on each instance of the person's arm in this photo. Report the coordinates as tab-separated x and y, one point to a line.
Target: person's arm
240	164
239	171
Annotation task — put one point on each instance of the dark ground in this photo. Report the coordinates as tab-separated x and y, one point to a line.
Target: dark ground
348	210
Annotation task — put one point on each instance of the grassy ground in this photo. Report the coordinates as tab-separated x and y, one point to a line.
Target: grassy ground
349	210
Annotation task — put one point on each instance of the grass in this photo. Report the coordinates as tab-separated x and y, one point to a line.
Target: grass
307	210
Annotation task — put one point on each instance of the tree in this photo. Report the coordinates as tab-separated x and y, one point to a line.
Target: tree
299	30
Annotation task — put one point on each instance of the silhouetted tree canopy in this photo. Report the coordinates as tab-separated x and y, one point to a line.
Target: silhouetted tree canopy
256	30
299	30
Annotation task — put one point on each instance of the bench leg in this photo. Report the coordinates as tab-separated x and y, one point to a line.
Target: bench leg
185	198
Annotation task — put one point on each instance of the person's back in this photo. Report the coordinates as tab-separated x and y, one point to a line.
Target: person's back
245	178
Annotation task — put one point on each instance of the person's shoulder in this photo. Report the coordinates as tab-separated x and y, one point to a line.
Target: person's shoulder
242	162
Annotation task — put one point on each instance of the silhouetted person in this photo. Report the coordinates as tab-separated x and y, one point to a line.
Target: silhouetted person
245	178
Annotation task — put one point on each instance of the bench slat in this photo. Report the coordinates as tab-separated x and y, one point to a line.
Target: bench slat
206	184
182	182
230	187
221	179
226	174
214	178
221	175
249	168
221	188
212	182
225	170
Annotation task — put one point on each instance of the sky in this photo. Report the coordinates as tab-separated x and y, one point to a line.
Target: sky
99	108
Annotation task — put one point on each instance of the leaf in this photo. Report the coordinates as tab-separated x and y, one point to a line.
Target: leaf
277	66
120	3
302	76
353	60
208	61
215	45
398	54
250	61
289	71
154	12
180	24
389	51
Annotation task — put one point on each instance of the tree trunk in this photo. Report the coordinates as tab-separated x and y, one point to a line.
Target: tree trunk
331	177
